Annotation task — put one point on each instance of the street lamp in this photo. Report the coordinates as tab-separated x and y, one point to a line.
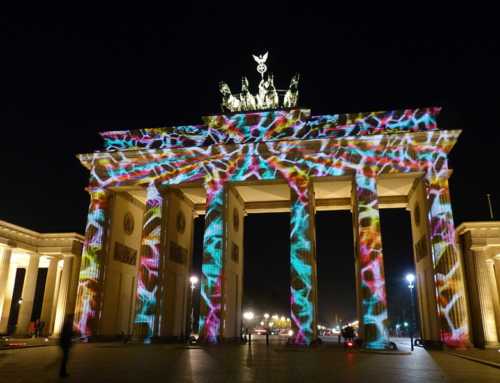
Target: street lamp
266	316
248	317
410	278
193	279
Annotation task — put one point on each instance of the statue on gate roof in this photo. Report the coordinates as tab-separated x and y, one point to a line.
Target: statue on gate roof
268	96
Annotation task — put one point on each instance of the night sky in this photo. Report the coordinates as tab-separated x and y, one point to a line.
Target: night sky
67	77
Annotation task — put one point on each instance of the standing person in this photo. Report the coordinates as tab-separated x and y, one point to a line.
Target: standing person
65	344
37	328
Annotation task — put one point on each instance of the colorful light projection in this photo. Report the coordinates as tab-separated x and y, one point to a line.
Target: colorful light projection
212	267
91	269
370	261
383	142
147	299
273	126
448	272
302	266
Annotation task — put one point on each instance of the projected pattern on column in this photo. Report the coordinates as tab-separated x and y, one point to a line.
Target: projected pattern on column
448	274
212	266
87	300
147	299
371	264
274	145
301	266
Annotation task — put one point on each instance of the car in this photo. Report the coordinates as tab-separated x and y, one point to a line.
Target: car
260	331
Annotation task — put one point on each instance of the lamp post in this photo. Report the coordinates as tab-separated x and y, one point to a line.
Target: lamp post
248	316
411	278
194	281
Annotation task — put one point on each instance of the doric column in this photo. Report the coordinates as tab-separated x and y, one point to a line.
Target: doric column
28	295
48	296
495	299
448	269
303	274
213	264
371	294
5	255
88	300
62	299
8	296
148	281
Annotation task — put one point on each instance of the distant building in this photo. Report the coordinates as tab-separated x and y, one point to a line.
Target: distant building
480	243
38	278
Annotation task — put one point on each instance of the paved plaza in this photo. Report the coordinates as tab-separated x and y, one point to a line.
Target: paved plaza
115	362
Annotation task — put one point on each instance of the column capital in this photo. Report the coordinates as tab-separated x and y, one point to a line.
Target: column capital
98	193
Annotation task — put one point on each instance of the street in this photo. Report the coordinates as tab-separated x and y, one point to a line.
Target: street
115	362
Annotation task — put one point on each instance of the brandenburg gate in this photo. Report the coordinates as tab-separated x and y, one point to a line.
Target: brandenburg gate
265	154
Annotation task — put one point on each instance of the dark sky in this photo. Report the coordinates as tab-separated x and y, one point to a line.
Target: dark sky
67	76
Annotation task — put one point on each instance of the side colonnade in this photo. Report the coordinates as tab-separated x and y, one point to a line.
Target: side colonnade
38	279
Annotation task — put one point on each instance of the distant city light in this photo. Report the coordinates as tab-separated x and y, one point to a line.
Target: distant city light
248	315
262	323
405	324
266	316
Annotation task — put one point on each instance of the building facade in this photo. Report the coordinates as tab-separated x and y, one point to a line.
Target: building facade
480	243
38	278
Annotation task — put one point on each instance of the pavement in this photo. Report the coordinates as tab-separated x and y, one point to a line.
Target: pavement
7	342
116	362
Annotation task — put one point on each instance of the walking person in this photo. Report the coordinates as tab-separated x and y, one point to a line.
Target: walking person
65	344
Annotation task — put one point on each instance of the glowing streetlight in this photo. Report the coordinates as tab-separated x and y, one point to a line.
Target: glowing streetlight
275	317
248	315
266	316
193	279
262	323
410	278
282	318
271	324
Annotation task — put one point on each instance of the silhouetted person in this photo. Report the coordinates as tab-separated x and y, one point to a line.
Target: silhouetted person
65	344
348	333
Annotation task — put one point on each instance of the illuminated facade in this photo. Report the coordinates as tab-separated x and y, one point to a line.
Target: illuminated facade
38	278
298	163
480	244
